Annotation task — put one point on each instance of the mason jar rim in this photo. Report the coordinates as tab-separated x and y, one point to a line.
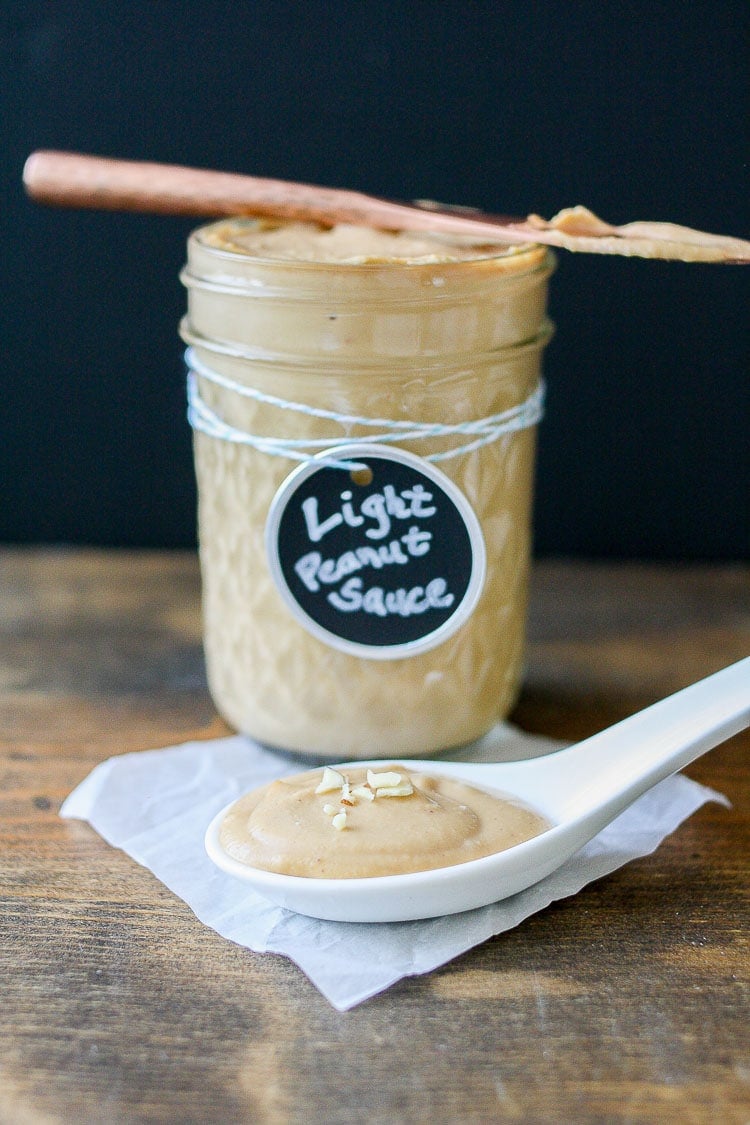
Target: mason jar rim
511	250
265	357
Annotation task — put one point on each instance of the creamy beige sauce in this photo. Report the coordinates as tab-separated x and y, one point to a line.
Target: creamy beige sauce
290	828
434	342
349	244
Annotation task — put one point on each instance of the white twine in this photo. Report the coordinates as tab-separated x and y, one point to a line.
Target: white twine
487	430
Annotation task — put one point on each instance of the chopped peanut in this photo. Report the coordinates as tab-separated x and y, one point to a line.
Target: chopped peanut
330	780
395	790
380	780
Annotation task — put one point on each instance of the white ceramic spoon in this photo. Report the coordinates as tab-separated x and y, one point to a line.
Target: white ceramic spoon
579	790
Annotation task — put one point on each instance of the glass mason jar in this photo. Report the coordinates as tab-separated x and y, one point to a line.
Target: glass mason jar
423	339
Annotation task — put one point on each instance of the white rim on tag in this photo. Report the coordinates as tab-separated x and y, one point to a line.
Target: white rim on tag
452	501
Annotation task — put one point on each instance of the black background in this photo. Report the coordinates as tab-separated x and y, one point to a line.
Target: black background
638	110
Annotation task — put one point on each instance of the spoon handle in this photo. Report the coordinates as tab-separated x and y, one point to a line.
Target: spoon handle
67	179
604	774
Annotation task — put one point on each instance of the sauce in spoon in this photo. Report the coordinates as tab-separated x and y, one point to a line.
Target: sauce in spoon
581	790
360	823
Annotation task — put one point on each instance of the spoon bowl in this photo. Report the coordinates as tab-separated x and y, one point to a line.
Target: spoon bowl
579	790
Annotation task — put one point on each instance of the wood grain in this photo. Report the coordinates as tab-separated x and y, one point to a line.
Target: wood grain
627	1003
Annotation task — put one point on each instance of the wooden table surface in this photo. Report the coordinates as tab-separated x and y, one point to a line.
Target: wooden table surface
626	1003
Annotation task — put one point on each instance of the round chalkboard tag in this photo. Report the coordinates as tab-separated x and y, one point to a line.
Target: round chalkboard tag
383	562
